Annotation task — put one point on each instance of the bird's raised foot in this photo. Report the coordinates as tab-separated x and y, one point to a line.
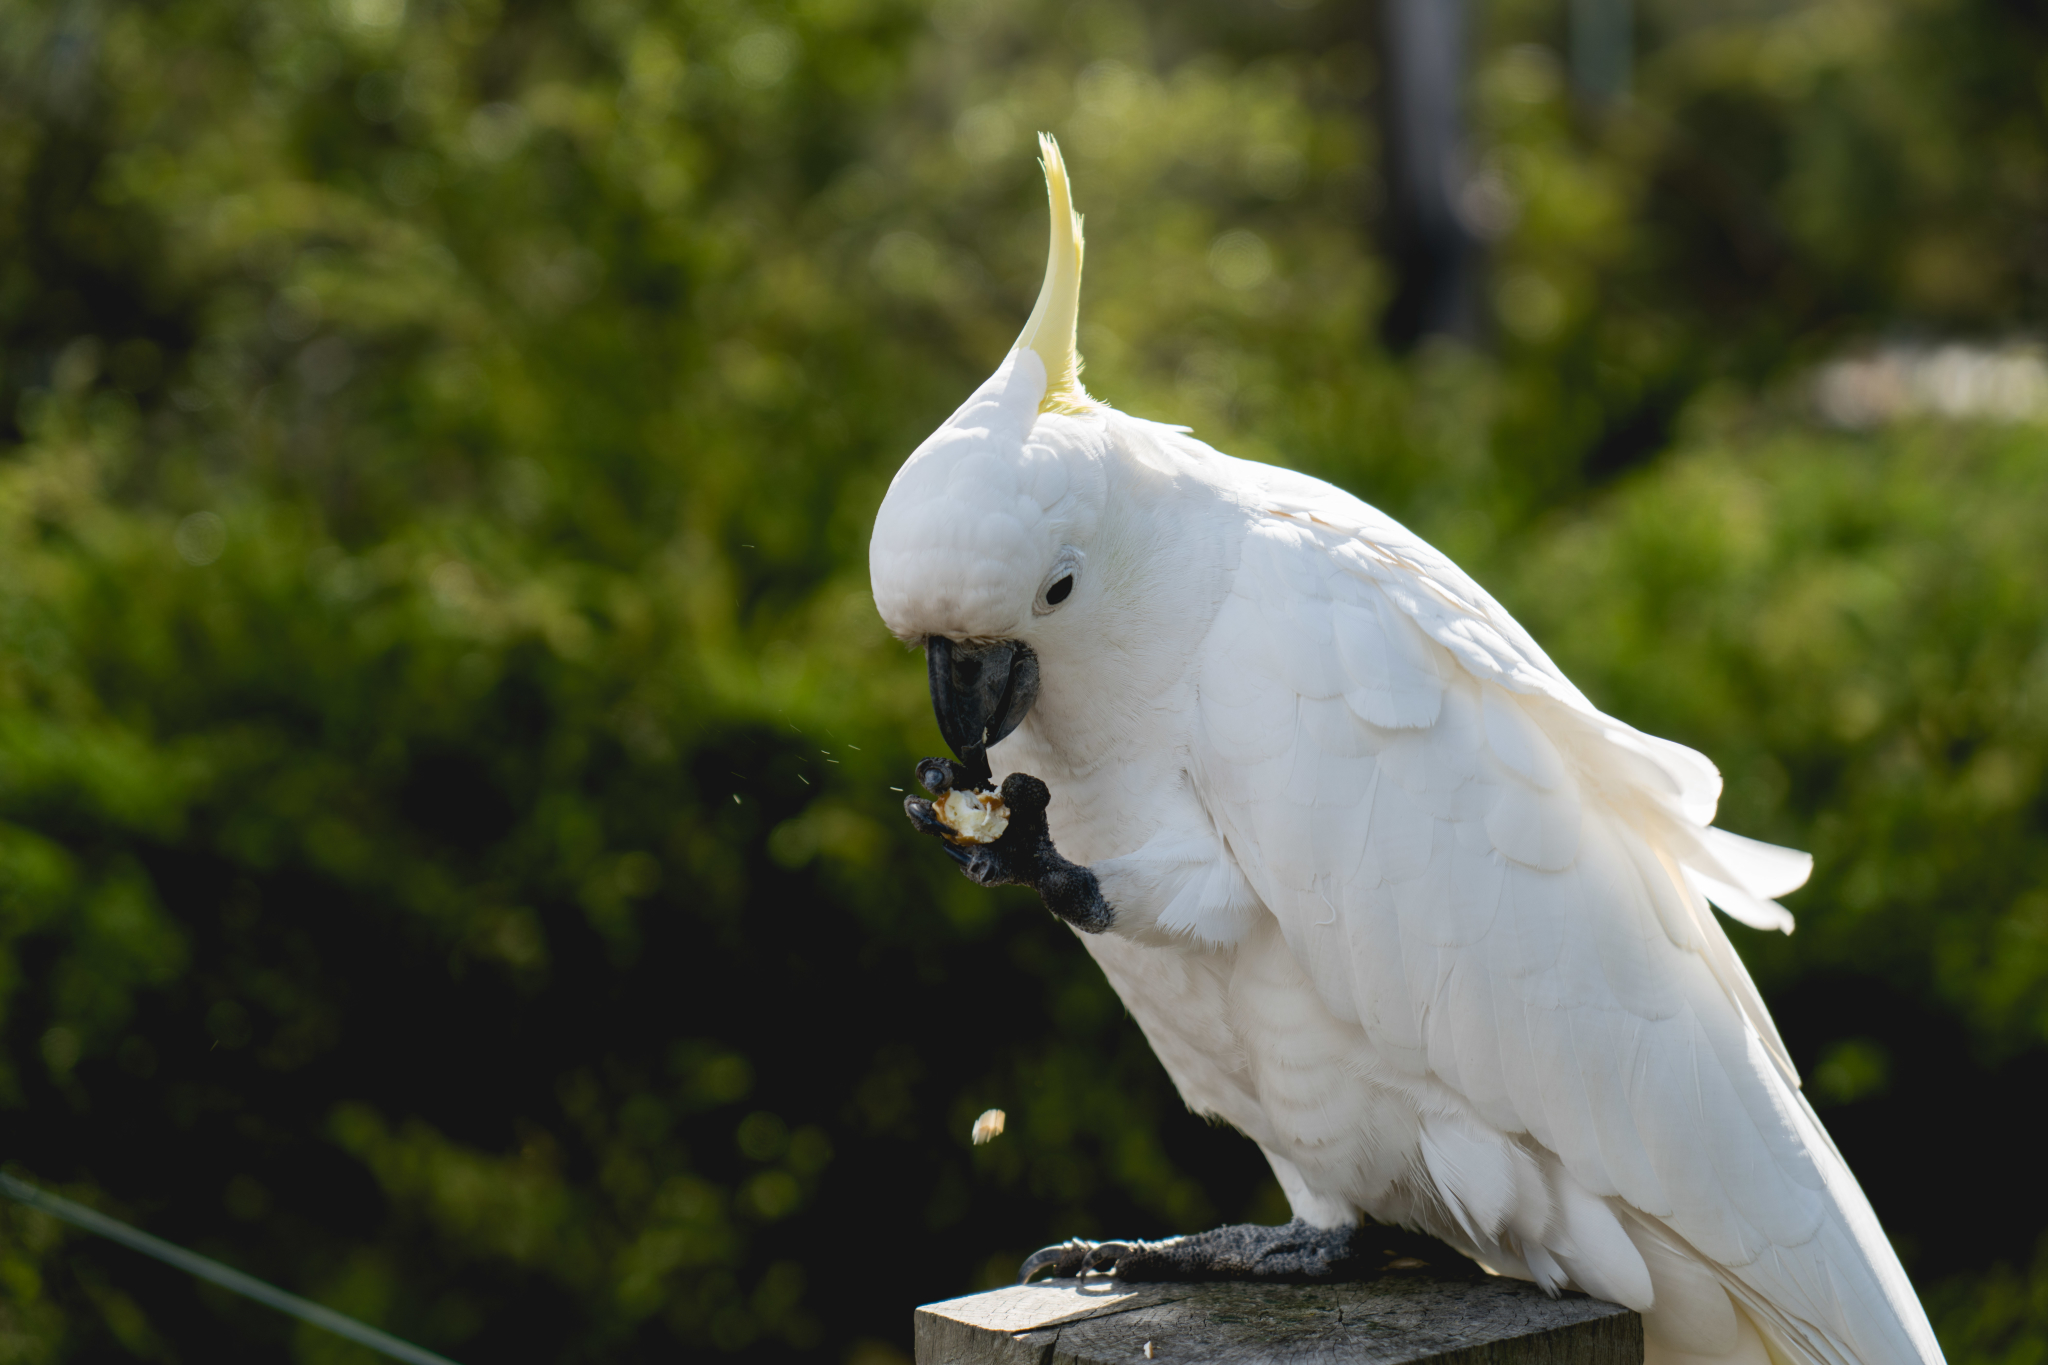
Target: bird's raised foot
1291	1252
1022	855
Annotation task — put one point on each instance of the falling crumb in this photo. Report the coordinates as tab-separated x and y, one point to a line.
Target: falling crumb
1148	1350
989	1125
735	798
1407	1263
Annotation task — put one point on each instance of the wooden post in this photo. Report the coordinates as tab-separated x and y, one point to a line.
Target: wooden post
1399	1319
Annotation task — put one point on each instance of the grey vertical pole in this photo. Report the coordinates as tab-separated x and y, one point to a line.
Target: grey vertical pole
1422	43
1603	49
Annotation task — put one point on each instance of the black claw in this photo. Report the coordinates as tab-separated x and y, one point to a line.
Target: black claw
1065	1260
922	817
941	775
1104	1256
1035	1262
1024	855
1026	797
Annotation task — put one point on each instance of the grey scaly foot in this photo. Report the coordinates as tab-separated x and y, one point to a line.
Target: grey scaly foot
1024	855
1291	1252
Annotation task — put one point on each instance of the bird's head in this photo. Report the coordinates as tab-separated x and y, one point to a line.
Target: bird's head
982	549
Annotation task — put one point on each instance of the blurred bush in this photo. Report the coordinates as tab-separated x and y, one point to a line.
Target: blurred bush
449	855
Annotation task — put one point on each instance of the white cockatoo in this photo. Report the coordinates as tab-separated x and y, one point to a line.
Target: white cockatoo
1384	890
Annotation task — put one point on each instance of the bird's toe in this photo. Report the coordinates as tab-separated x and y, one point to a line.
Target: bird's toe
923	818
1065	1260
1104	1257
941	775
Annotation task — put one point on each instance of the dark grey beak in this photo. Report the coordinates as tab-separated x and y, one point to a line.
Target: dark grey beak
980	692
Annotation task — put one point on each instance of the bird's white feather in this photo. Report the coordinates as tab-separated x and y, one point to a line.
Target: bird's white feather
1392	895
1524	931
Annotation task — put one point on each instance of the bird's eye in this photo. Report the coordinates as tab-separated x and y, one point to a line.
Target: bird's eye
1059	582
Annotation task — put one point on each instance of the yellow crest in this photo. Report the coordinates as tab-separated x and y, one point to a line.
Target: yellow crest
1051	330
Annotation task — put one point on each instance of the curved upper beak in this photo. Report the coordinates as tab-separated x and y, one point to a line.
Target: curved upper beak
980	692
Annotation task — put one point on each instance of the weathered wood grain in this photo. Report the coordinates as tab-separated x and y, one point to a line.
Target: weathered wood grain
1400	1319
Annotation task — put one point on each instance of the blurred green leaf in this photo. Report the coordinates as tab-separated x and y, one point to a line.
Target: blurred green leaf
451	860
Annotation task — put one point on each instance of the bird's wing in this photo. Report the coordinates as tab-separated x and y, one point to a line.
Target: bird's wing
1508	890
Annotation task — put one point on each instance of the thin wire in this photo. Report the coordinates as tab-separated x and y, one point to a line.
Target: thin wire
92	1220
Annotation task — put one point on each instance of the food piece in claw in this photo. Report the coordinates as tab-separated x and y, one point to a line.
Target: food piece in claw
972	817
1022	855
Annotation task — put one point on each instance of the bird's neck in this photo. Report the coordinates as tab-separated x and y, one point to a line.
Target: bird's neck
1109	727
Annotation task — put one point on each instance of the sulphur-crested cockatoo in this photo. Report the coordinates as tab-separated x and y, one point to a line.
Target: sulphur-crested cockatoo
1384	890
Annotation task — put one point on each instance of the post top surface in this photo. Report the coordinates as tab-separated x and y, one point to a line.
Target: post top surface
1397	1319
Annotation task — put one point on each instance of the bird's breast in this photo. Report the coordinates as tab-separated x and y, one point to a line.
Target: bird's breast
1114	780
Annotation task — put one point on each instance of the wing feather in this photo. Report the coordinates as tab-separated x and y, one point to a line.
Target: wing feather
1507	890
1475	1039
1393	679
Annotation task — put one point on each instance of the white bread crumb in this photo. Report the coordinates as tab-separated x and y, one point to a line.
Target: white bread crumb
973	817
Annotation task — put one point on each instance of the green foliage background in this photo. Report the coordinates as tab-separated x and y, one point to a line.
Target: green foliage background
449	860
